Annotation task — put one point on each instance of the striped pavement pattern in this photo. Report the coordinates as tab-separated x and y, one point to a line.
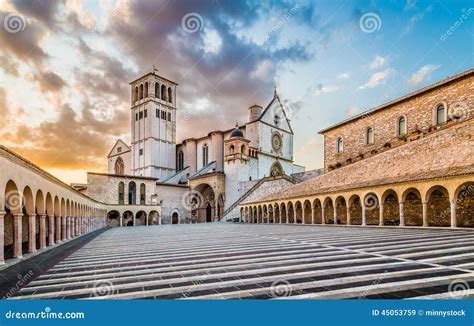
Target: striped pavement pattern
258	261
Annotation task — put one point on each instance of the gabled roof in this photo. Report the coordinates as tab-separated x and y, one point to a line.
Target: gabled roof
401	99
115	145
277	99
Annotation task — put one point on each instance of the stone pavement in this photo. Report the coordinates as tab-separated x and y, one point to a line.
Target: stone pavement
258	261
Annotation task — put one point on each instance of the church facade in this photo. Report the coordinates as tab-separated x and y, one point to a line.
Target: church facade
200	178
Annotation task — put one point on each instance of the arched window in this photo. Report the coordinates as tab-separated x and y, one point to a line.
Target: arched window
205	155
339	145
170	95
440	114
141	91
135	97
119	166
132	193
146	89
142	194
180	161
157	90
276	170
121	193
402	126
242	149
163	92
232	149
369	136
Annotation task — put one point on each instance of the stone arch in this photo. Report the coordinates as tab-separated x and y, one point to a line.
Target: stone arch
141	92
28	221
127	218
372	211
146	90
341	210
276	169
175	217
355	209
291	212
135	97
170	95
298	212
154	218
132	193
140	218
142	194
413	207
163	92
439	207
41	220
265	216
317	209
328	211
307	212
13	207
276	213
390	208
157	90
283	213
113	218
464	201
119	167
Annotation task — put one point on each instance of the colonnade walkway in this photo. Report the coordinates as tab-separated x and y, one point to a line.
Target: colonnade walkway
264	261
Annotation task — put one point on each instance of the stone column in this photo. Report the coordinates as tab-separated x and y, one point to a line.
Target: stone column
381	214
51	230
32	233
279	215
294	214
453	214
2	237
121	220
133	219
287	219
402	213
312	214
68	227
146	218
17	235
335	213
302	215
63	228
58	228
348	214
43	231
364	215
425	213
323	214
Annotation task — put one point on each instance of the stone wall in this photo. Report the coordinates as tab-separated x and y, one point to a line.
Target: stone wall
419	110
449	148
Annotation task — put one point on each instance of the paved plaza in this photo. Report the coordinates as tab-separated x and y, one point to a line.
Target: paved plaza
256	261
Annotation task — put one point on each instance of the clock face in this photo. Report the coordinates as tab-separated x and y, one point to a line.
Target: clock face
276	142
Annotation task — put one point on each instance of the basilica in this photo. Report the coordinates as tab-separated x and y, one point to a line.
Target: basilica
200	179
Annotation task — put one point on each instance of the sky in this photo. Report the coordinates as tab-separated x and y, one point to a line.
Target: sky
65	66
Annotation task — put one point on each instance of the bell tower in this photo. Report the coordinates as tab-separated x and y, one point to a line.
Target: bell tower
153	126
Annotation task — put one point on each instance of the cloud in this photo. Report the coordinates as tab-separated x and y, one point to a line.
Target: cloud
49	81
3	108
352	110
415	19
320	89
377	78
422	73
263	70
343	76
378	62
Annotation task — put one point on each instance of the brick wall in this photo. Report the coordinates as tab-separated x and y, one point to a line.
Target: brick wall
448	148
457	95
